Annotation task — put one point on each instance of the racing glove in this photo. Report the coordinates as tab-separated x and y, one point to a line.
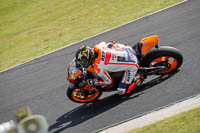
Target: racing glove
93	82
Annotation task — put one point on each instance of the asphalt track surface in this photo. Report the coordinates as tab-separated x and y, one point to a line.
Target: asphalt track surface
41	83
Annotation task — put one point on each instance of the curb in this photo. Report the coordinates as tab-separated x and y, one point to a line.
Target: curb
154	116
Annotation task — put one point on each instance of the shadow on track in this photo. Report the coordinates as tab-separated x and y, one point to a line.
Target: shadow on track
88	111
153	82
84	113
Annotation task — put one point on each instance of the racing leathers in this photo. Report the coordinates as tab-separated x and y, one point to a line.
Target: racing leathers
114	57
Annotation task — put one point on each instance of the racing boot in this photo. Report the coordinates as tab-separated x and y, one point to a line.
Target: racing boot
122	88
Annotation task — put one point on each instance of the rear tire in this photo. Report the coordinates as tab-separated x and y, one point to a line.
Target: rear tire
161	54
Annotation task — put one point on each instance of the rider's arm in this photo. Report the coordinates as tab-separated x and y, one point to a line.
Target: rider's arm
99	65
106	79
105	76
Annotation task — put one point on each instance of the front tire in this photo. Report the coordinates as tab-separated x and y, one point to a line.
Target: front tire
164	56
79	95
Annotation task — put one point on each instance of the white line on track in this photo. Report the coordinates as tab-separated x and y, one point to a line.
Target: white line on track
96	35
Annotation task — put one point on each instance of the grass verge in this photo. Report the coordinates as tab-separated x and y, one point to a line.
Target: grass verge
186	122
30	28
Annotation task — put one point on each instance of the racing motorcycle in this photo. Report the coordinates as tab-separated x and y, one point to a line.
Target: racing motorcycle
154	60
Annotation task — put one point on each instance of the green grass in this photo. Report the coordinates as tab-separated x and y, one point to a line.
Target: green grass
30	28
186	122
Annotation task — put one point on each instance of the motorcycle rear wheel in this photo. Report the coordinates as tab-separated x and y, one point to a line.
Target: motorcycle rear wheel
79	95
164	56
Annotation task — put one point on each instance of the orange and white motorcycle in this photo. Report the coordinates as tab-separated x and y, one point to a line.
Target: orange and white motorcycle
154	60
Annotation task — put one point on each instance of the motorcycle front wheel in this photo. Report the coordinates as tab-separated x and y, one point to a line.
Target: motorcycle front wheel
82	95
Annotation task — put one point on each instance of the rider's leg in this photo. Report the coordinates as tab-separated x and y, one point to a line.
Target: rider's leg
126	80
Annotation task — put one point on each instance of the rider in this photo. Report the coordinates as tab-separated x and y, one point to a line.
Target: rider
109	57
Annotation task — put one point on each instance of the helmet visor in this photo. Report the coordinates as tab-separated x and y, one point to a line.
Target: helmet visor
83	62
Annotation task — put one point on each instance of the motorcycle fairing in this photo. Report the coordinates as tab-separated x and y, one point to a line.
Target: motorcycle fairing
148	43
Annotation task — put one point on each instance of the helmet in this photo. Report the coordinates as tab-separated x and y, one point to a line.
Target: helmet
84	56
